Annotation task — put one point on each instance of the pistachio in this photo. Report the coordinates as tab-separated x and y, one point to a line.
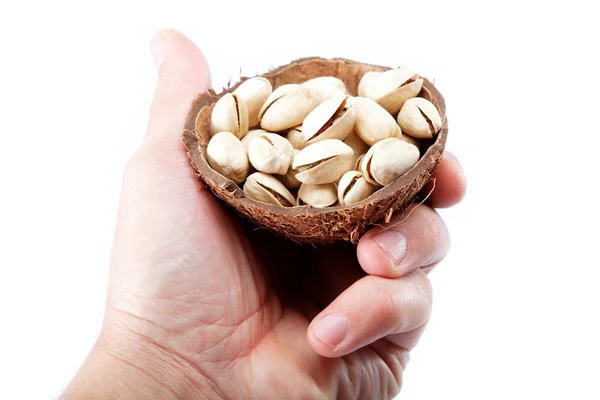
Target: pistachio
270	153
325	87
353	187
373	123
227	156
357	162
230	114
332	119
266	189
323	162
294	136
320	195
251	135
358	146
392	88
289	180
364	81
387	160
411	140
419	118
254	92
286	108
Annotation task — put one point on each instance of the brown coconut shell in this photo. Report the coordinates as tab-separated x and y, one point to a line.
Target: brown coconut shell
306	224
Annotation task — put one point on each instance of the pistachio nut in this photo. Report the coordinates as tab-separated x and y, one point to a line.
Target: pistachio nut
254	92
270	153
289	180
251	135
357	162
323	162
388	160
229	114
294	136
364	82
373	123
392	88
320	195
419	118
353	187
266	189
286	108
332	119
358	146
411	140
227	156
325	87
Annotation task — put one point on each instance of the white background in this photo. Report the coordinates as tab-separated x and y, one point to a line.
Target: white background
516	303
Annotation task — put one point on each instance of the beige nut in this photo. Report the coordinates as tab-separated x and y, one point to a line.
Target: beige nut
325	87
411	140
332	119
229	114
358	146
364	81
227	156
286	108
254	92
392	88
388	160
251	135
266	189
289	180
323	162
294	136
353	187
271	153
357	162
373	123
320	196
419	118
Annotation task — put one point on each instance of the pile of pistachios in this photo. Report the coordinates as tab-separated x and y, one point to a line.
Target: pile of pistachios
314	144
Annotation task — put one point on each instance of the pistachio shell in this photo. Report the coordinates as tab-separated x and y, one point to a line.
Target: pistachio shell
388	160
323	162
353	188
294	136
419	118
357	162
392	88
364	81
254	92
289	179
229	114
276	95
270	153
320	196
411	140
288	110
358	146
266	189
227	156
325	87
332	119
251	135
373	123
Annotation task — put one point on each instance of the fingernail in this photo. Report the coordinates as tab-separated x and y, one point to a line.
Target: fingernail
332	329
393	244
157	48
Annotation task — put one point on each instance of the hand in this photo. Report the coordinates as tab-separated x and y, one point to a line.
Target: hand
202	306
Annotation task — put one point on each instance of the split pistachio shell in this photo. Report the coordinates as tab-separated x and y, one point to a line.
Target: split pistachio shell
251	135
364	82
358	146
276	95
357	162
388	160
227	156
289	180
353	187
373	123
323	162
332	119
419	118
320	196
254	92
282	112
325	87
392	88
294	136
229	114
270	153
266	189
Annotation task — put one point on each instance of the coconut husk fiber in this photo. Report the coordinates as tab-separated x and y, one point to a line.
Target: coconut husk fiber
306	224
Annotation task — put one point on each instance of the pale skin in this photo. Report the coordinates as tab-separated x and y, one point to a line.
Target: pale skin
201	306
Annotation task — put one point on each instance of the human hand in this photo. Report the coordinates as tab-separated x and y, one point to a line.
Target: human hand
201	306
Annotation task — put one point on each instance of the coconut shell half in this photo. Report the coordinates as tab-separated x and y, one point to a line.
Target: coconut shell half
306	224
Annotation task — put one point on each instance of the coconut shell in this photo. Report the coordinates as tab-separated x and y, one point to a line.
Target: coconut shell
306	224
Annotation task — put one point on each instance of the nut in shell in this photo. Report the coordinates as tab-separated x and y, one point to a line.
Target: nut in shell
373	123
320	195
391	89
251	135
227	156
388	160
266	189
254	92
286	108
323	162
358	146
229	114
364	82
353	188
270	153
289	180
332	119
325	87
419	118
294	136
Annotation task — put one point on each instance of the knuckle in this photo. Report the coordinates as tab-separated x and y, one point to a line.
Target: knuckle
422	288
